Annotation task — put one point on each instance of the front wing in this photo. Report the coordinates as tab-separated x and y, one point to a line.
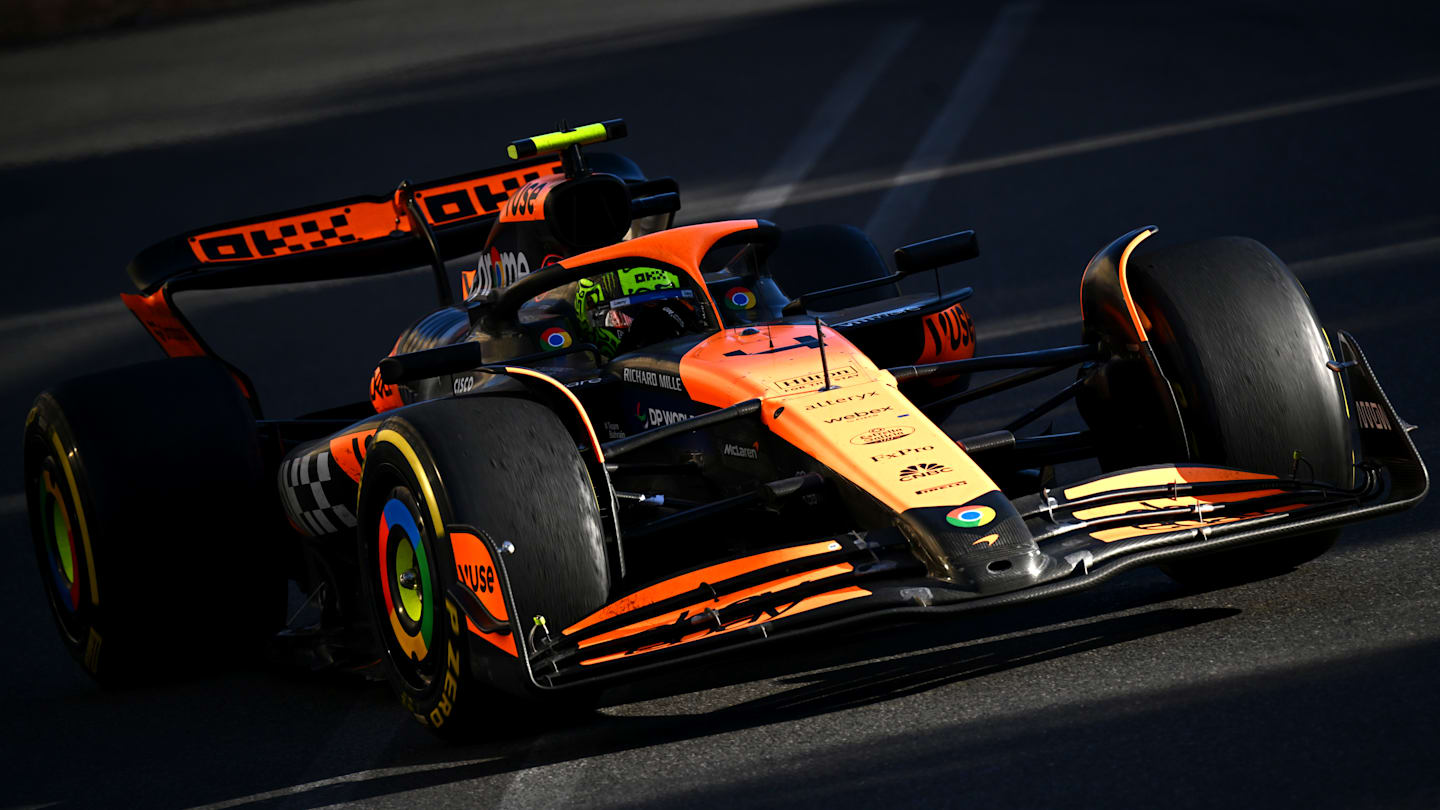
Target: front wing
1089	531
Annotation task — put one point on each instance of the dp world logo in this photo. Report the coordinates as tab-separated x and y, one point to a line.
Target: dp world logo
922	470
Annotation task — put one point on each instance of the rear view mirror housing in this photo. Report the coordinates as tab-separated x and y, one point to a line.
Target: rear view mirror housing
935	253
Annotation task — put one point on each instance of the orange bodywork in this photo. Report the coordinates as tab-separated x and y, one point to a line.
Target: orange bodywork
384	396
159	319
475	567
1161	476
1160	527
862	428
527	204
1135	314
799	606
349	449
689	582
1165	476
949	335
720	602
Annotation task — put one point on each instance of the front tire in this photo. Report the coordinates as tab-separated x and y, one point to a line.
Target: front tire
508	469
1246	357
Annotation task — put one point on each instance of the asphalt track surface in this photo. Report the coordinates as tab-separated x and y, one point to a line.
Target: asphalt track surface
1050	129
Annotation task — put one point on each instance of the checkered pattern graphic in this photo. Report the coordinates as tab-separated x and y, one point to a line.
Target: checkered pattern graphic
304	481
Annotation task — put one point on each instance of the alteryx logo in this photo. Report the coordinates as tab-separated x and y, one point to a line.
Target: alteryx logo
826	403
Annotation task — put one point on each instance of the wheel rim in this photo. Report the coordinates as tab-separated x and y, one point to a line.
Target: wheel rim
59	542
407	586
404	581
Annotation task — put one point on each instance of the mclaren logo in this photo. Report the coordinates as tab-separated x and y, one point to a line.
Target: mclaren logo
741	451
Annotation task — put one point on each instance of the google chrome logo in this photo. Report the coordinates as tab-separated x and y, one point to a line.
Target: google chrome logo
968	517
739	298
555	338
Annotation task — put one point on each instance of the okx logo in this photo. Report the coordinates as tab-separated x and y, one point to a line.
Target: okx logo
915	471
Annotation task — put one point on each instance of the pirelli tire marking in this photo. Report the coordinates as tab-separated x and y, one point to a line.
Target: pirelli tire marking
449	684
303	480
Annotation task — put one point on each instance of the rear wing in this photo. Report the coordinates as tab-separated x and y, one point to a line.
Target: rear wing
359	236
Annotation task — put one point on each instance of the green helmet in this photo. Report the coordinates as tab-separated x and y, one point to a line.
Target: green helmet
608	307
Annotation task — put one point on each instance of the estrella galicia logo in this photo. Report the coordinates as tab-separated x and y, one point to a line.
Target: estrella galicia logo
922	470
882	434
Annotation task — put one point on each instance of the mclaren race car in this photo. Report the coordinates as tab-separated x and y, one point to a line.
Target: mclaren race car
628	444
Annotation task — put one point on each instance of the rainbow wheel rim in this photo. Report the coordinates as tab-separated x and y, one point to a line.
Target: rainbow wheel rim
410	606
59	543
406	583
739	298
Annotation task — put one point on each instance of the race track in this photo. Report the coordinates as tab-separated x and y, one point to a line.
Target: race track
1049	128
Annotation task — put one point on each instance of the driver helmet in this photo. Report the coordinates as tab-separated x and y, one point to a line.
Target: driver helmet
632	307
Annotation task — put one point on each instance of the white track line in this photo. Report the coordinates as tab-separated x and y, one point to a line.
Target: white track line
1305	269
358	776
904	200
704	207
556	784
1340	262
826	123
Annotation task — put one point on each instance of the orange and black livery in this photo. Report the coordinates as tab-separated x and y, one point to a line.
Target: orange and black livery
628	444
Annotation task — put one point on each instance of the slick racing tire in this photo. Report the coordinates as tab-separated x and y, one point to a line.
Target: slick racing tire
822	256
145	489
1239	341
508	470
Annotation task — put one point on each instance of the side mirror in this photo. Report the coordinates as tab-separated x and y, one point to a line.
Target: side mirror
937	252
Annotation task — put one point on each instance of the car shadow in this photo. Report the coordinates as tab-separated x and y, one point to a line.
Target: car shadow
807	692
261	739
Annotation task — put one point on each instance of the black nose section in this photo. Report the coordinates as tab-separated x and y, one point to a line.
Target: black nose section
983	545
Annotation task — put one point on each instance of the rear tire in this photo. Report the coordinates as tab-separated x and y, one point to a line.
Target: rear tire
144	486
508	469
1245	354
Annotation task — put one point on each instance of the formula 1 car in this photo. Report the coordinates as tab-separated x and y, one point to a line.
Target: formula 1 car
631	444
